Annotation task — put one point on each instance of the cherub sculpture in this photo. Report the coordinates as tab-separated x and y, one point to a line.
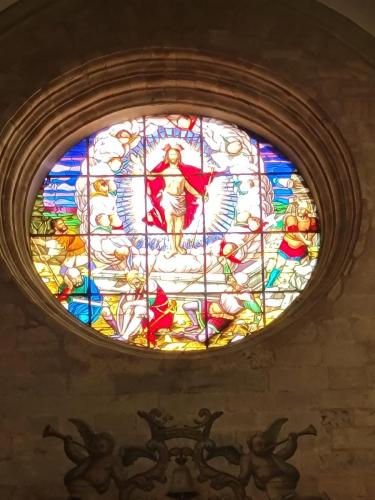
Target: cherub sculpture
95	463
269	468
267	463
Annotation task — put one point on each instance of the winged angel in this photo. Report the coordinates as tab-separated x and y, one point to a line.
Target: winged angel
269	467
97	465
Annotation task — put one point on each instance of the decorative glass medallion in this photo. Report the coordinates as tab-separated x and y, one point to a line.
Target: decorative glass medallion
177	233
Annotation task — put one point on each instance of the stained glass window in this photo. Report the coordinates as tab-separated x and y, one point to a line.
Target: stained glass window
174	232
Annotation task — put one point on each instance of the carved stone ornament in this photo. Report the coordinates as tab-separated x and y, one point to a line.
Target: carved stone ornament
151	81
98	464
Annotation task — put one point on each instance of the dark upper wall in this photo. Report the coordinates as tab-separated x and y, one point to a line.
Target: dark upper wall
361	12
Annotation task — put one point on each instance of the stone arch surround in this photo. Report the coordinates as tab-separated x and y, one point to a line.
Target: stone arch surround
137	83
321	371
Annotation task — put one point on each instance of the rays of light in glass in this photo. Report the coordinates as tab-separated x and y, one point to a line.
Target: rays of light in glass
174	232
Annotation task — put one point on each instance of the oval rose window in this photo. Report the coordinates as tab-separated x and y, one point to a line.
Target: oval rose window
174	232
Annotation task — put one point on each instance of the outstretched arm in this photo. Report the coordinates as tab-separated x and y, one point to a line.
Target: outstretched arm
289	449
194	192
72	452
191	190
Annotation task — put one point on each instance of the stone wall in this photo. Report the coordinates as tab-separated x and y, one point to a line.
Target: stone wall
322	371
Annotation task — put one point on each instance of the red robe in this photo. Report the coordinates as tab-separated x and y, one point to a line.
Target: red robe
194	176
163	316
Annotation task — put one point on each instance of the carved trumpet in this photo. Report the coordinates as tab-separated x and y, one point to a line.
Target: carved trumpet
49	431
309	431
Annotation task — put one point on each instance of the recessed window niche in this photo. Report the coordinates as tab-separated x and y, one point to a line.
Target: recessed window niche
163	202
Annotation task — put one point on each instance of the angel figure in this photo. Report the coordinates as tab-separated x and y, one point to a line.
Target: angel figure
269	468
95	463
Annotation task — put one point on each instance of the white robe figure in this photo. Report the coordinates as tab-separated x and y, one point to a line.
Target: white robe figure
106	157
108	245
132	309
105	147
241	245
104	205
115	251
128	133
97	171
231	148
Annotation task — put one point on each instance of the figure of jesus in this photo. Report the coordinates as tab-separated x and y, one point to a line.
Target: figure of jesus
173	189
173	200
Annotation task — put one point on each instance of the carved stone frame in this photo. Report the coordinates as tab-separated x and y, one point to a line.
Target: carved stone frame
130	84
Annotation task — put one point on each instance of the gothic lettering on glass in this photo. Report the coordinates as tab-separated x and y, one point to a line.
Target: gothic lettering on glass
177	233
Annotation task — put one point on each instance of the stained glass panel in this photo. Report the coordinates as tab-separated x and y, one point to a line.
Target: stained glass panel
177	233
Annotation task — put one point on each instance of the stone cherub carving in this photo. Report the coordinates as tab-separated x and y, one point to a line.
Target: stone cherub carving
265	460
95	463
267	463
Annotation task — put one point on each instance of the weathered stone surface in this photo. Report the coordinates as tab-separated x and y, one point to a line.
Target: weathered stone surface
259	357
347	378
298	379
349	438
337	417
299	355
7	492
37	338
11	314
364	417
345	354
8	339
347	398
333	483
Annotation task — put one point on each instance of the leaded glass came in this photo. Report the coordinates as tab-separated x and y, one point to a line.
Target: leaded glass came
174	232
